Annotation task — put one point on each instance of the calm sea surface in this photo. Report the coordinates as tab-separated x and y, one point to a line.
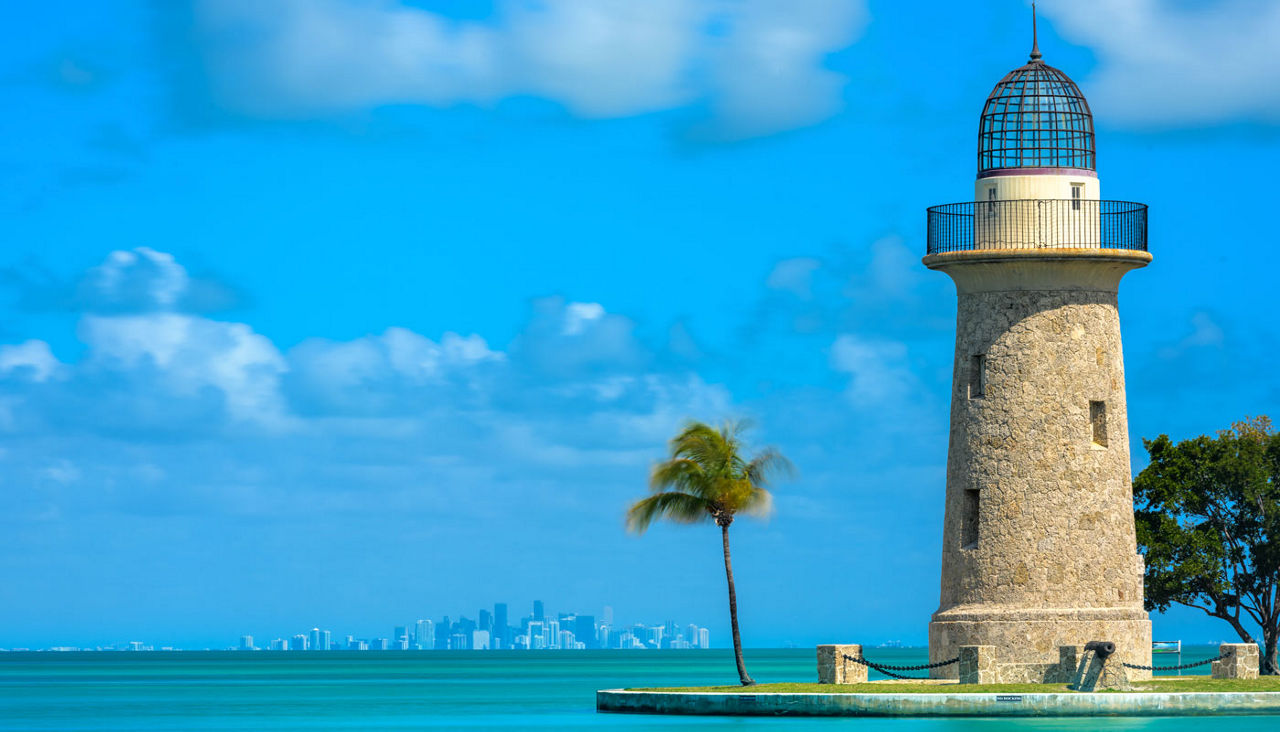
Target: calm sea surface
432	691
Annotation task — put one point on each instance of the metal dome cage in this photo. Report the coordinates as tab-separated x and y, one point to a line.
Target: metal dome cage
1036	117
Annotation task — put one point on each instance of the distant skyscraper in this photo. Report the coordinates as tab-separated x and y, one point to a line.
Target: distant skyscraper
326	640
378	644
425	635
480	640
704	638
465	626
691	635
501	628
401	631
538	614
584	629
653	638
246	643
552	634
565	640
279	644
442	633
486	620
351	643
315	639
299	643
536	635
604	639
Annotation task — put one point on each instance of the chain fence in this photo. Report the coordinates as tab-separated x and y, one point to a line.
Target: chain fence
889	670
1180	666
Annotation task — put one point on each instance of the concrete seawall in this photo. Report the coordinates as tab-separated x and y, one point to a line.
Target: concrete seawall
940	704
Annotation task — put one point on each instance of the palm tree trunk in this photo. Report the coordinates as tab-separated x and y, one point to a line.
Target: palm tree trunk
733	611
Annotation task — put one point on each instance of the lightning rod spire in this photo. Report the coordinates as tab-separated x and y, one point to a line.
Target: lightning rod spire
1035	41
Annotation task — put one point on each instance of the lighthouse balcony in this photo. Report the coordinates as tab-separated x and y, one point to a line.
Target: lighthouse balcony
1071	223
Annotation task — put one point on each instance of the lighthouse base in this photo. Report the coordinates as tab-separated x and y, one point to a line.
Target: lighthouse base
1028	641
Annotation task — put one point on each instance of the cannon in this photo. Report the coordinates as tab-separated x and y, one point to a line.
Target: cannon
1101	648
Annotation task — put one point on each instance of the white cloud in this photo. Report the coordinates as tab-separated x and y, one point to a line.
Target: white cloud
1205	333
171	412
569	339
604	58
142	279
1177	63
627	419
189	354
63	472
758	64
415	355
382	374
32	359
794	276
879	370
770	74
578	314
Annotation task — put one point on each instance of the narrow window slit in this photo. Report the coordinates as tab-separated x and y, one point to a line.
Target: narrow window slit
1098	420
969	525
978	376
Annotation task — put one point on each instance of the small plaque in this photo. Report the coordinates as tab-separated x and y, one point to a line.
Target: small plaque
1008	697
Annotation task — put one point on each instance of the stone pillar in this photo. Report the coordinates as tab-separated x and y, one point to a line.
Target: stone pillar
977	665
834	668
1243	662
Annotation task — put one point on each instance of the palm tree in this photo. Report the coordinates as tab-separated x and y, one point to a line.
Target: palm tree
707	478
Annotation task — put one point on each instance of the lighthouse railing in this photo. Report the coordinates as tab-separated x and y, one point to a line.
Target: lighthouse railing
1037	224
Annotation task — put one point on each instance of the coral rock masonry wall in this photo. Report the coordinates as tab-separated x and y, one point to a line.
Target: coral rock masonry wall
1242	663
1039	549
977	665
835	668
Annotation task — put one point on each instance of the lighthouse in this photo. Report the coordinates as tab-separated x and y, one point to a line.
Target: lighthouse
1038	542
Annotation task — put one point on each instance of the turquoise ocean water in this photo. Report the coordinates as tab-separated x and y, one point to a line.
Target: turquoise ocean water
390	690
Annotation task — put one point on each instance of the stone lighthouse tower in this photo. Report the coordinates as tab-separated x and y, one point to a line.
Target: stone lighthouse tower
1039	548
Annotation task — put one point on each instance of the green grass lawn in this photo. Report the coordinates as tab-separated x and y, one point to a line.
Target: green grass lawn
1204	683
873	688
1180	683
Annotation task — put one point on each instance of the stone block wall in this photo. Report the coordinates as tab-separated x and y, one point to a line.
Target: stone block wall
1243	663
1039	547
1032	639
977	665
834	668
1045	474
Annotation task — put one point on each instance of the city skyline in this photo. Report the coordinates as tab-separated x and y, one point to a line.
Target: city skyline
536	631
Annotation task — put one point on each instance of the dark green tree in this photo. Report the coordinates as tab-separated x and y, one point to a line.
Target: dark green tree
709	478
1208	519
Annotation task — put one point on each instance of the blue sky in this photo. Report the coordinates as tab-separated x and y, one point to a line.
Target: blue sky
349	312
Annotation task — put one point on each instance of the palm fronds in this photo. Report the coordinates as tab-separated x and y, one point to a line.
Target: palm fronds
707	477
682	508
